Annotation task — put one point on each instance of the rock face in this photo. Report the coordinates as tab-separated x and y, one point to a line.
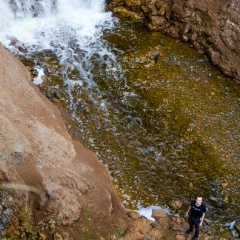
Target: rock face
212	27
41	168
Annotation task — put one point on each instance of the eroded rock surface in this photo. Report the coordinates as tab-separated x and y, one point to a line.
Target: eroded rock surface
212	27
45	175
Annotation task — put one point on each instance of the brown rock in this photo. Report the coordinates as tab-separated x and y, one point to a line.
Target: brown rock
42	236
156	234
122	12
180	237
58	236
157	23
21	48
160	216
176	204
133	215
38	155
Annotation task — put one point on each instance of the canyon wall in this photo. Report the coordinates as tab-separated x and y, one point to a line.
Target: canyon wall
47	180
212	27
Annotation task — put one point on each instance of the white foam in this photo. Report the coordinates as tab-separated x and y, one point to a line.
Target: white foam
72	29
38	80
147	212
78	18
231	225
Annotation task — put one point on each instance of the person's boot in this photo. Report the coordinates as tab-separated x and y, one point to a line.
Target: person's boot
188	231
194	238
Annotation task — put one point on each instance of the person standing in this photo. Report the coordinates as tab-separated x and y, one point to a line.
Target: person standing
195	214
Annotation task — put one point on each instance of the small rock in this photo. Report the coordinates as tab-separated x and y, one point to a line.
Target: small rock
21	48
184	38
209	232
180	237
161	42
176	204
42	236
57	93
224	185
58	236
175	228
52	226
66	236
44	78
159	214
172	58
147	65
87	110
133	215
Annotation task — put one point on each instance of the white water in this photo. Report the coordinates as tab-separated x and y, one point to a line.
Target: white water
38	80
147	212
80	16
65	27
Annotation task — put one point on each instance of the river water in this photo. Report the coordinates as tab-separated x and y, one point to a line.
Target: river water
158	115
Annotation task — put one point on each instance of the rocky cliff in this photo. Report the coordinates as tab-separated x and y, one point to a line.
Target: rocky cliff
212	27
47	180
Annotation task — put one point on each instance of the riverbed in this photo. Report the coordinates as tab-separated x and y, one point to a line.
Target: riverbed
163	120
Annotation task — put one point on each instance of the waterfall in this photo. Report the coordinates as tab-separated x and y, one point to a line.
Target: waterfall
27	20
72	29
23	8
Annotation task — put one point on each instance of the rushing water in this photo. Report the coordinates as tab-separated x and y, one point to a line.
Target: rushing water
160	117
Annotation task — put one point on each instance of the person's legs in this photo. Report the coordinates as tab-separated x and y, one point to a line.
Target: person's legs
190	221
197	229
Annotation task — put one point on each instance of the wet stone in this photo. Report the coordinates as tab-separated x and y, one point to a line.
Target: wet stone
44	78
176	204
58	236
42	236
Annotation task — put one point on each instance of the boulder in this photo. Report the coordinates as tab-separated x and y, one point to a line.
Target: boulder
160	216
122	12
